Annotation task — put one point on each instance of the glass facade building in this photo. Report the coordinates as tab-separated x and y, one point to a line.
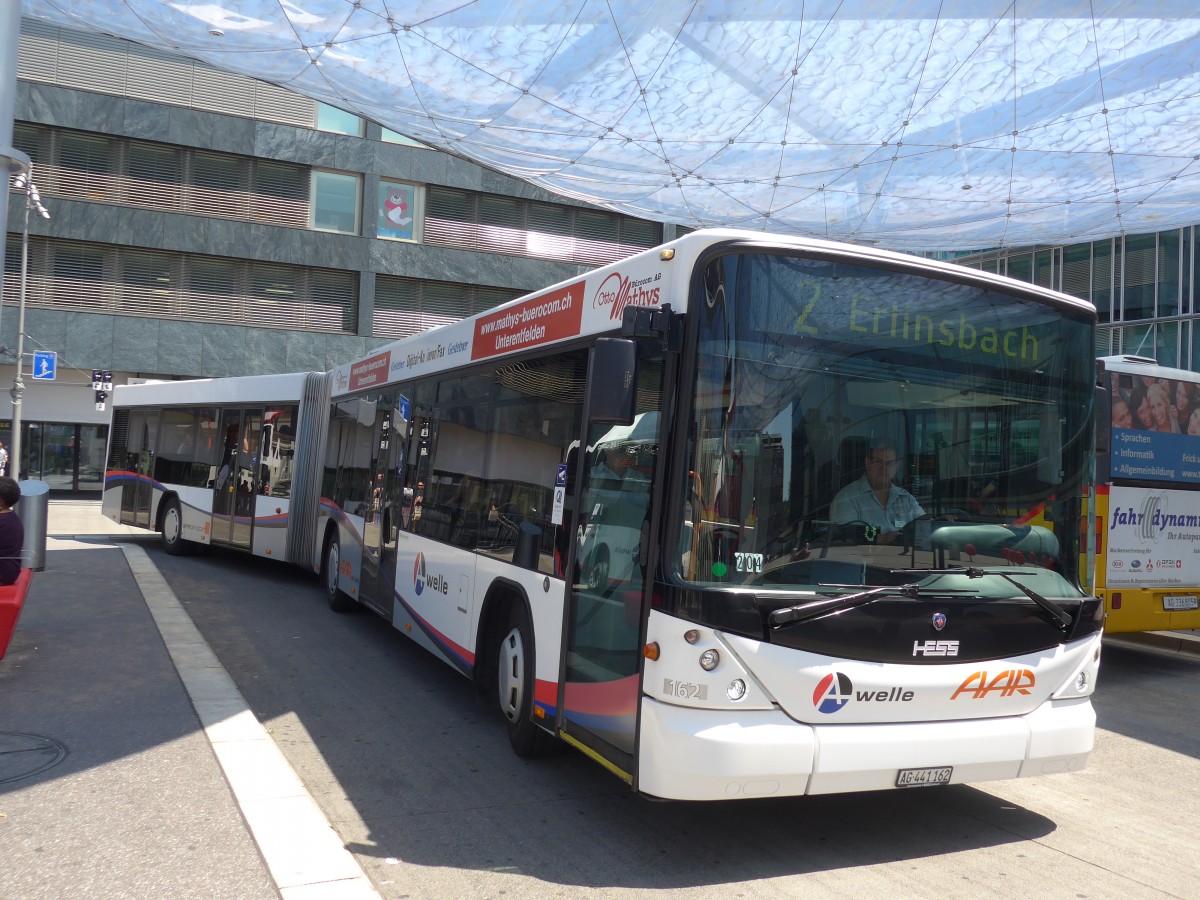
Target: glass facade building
1144	287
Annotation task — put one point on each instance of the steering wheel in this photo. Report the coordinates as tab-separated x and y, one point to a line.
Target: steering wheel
857	531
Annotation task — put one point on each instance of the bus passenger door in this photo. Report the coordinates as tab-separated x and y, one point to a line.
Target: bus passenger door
378	577
139	461
236	482
602	683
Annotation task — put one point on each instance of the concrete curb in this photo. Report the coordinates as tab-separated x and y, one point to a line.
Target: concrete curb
302	851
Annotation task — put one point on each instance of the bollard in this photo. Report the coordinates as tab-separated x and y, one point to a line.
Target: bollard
34	510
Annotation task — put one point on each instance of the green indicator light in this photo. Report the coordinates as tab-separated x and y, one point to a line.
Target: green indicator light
720	570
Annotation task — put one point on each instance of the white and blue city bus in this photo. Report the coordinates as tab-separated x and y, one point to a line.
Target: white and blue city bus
693	411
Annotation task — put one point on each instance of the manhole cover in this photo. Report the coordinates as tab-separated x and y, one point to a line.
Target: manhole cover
26	755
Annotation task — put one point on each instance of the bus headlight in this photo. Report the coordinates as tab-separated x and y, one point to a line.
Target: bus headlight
1081	682
709	660
736	690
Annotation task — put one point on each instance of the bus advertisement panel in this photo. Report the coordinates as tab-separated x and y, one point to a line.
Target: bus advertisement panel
1155	428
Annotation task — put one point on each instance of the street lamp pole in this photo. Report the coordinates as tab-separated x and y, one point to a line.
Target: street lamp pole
23	182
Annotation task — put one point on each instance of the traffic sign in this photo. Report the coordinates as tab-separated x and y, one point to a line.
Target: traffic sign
45	365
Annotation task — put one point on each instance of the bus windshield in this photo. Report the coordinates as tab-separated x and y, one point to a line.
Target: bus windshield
853	423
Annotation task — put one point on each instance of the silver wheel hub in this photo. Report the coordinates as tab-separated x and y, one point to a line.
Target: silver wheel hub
511	680
333	563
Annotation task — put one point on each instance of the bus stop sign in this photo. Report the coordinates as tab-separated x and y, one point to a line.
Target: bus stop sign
45	365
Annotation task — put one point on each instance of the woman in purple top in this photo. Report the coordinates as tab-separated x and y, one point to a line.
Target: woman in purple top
12	532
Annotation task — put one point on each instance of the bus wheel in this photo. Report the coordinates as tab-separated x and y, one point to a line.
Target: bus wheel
514	687
597	570
338	601
172	529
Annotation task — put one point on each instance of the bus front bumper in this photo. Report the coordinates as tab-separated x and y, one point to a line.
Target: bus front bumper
699	754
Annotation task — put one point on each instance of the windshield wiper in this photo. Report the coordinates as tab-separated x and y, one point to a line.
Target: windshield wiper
790	615
1057	614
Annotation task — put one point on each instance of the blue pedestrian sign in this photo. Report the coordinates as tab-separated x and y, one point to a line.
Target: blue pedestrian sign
45	363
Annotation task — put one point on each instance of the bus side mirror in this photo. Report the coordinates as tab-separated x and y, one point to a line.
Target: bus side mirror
612	390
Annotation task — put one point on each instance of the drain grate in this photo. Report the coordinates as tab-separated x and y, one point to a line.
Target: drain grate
26	755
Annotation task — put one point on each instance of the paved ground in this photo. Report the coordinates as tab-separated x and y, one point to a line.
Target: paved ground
128	759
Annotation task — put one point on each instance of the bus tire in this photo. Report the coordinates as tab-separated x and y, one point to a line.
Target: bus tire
172	529
515	681
597	570
332	563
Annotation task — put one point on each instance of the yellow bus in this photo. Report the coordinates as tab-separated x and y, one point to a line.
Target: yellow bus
1148	495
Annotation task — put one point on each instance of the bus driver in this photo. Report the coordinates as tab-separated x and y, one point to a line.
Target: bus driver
873	498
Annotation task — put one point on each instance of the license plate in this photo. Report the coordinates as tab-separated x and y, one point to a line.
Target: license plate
923	777
1181	601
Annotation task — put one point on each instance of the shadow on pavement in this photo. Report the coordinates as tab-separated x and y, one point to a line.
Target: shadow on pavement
408	767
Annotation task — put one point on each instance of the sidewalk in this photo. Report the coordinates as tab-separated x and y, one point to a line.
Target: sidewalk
130	764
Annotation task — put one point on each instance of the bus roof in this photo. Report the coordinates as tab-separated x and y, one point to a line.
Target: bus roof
287	388
1141	365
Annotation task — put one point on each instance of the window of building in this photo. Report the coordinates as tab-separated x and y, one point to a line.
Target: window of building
330	118
1169	269
148	283
1137	283
1186	255
217	186
1021	267
132	281
154	175
1102	279
273	294
335	201
1166	343
474	221
29	140
398	213
212	290
1137	340
78	276
1077	271
86	160
395	137
405	306
281	193
1045	262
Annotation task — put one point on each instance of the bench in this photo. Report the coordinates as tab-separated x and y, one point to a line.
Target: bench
12	598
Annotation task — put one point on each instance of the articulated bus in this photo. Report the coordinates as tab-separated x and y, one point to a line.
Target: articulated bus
1148	495
742	515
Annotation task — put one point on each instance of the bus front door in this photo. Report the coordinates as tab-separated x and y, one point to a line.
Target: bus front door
604	614
235	487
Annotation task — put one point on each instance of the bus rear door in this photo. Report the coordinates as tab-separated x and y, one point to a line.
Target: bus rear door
237	477
140	442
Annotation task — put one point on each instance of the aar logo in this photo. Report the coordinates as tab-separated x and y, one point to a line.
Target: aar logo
832	693
1007	683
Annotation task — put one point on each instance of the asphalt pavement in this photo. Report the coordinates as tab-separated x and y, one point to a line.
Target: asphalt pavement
130	764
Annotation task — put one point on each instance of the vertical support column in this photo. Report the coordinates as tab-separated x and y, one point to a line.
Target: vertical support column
10	42
366	303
